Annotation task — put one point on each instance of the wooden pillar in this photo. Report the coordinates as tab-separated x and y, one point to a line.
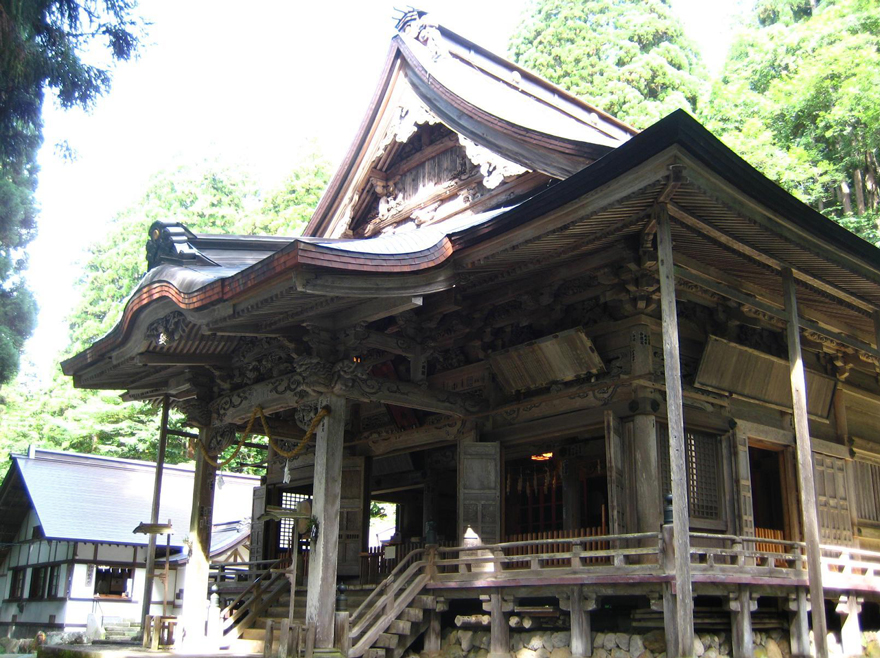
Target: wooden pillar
850	630
684	601
154	511
649	514
581	637
499	636
432	633
799	629
195	584
741	607
805	463
321	598
614	467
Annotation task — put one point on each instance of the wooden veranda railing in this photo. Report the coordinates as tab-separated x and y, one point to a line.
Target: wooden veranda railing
523	546
554	560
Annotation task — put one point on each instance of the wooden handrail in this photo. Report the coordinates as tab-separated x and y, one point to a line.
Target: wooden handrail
255	610
393	582
548	542
259	579
394	608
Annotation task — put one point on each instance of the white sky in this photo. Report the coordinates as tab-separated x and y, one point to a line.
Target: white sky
247	82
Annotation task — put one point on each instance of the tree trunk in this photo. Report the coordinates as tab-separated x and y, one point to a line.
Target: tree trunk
871	180
859	185
845	197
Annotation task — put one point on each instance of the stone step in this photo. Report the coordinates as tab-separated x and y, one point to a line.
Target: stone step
375	653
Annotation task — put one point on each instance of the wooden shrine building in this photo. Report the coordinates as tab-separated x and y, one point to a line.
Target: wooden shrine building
529	325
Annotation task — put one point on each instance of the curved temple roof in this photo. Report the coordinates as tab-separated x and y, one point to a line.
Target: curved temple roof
488	100
421	262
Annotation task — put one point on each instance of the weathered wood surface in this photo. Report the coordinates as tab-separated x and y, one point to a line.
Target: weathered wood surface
805	461
320	602
684	603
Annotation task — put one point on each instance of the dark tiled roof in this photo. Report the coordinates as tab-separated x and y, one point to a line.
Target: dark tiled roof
102	499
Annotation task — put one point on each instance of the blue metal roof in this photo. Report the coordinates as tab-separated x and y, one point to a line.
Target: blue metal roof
101	499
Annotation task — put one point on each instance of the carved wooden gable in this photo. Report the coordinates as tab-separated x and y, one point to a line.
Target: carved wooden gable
418	172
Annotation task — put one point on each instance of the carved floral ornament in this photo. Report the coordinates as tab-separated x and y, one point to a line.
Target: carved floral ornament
167	330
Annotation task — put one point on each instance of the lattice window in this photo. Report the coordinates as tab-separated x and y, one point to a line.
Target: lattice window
703	471
286	526
868	491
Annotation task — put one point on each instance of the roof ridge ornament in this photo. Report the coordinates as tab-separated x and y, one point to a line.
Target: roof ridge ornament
170	242
406	18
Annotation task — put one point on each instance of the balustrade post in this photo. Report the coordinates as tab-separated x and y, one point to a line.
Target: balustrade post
431	562
576	552
268	638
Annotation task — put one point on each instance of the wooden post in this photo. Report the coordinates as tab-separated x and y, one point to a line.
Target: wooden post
805	464
647	488
741	607
684	601
195	585
154	511
799	629
670	626
343	632
581	637
284	639
432	633
268	638
156	633
850	630
499	638
310	641
321	597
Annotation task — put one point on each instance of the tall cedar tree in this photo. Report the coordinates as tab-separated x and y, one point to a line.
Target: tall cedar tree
629	58
799	98
40	46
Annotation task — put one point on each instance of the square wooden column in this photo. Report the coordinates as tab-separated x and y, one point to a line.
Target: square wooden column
321	596
805	464
195	584
684	600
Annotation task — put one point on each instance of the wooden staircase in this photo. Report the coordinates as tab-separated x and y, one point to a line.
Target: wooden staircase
386	621
403	630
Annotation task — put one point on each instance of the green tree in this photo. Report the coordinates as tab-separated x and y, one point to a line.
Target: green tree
799	97
41	42
208	197
628	57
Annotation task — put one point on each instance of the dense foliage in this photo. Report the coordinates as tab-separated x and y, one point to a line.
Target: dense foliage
627	57
41	46
208	198
799	98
